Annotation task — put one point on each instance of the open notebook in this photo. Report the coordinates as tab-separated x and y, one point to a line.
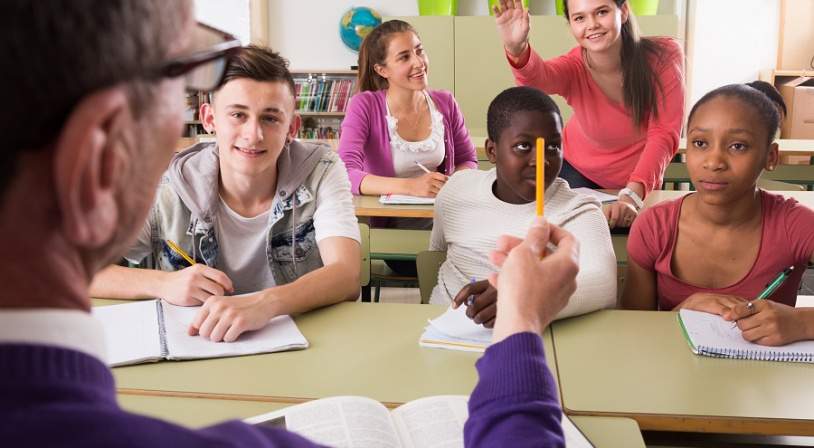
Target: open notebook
710	335
153	330
453	330
395	199
431	422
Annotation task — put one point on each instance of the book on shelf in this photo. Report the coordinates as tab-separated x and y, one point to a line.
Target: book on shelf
432	422
153	330
323	93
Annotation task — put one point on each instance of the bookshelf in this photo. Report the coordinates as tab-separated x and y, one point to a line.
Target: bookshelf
322	97
192	122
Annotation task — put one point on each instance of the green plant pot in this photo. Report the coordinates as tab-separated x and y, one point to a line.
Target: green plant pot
492	4
639	7
437	7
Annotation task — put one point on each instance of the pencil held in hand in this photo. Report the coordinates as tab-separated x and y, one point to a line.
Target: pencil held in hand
177	249
540	181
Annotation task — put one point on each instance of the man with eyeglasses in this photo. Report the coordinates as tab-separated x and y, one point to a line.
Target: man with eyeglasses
94	106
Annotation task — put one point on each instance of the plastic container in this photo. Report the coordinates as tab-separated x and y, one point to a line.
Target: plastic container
437	7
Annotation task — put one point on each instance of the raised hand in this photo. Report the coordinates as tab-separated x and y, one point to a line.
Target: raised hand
512	22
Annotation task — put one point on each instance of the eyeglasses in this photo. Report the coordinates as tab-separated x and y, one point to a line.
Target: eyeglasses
203	70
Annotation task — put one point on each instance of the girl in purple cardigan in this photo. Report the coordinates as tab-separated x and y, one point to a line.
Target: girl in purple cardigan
396	123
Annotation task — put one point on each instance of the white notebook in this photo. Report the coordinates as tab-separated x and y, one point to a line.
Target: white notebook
453	330
153	330
711	335
403	199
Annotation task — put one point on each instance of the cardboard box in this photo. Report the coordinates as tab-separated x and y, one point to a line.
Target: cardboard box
799	97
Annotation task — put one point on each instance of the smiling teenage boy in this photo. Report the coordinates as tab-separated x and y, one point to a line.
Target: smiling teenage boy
476	207
264	216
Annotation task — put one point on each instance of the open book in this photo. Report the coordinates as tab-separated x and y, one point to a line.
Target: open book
395	199
153	330
453	330
432	422
711	335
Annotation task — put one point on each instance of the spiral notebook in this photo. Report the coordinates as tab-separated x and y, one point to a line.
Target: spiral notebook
153	330
710	335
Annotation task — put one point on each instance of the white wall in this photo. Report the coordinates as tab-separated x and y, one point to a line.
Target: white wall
307	31
228	15
730	41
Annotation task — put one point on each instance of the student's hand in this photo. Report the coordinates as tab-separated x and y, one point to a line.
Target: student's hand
619	213
769	322
225	318
427	185
193	285
533	290
484	308
710	303
512	26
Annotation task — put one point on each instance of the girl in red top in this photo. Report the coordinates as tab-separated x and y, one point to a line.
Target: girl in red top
715	250
627	93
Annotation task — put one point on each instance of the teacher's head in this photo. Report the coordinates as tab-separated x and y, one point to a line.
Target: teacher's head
392	56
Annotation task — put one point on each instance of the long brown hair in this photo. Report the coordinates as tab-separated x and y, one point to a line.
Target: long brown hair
374	51
640	87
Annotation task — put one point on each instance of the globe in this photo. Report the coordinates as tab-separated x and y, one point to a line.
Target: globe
357	23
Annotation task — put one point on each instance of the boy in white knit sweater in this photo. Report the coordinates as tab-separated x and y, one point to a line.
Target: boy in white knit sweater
475	207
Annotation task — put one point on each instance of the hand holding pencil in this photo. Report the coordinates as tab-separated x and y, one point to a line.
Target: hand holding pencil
191	286
427	185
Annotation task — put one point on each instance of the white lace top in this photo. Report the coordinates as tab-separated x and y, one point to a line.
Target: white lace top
428	152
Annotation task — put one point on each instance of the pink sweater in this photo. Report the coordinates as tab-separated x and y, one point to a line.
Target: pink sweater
787	239
600	140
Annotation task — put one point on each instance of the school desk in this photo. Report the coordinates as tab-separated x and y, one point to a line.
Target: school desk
398	244
356	349
804	197
369	206
603	432
637	364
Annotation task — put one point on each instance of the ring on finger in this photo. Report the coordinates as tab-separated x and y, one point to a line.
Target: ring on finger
750	307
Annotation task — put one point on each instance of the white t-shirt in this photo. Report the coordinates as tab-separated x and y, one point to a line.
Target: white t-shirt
469	218
428	152
334	216
242	249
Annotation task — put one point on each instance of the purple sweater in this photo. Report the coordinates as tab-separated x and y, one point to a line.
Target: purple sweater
364	144
59	397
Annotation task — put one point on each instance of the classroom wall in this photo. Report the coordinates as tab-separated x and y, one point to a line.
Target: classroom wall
729	41
229	15
307	31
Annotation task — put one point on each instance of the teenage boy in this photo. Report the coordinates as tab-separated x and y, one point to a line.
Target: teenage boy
268	220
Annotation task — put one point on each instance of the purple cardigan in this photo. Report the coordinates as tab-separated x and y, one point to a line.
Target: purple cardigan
58	397
364	144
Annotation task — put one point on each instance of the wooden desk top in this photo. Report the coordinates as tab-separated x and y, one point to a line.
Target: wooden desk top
637	364
356	349
603	432
370	206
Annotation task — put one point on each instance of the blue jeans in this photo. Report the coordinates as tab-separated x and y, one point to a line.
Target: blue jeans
575	178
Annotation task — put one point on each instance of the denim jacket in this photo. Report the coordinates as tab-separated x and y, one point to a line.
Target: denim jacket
187	200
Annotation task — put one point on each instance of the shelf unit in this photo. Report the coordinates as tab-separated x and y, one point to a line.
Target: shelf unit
322	97
192	122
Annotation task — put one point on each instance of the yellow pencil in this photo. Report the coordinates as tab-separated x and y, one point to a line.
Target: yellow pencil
177	249
540	176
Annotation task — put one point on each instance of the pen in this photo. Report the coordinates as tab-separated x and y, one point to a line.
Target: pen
177	249
771	287
423	167
471	299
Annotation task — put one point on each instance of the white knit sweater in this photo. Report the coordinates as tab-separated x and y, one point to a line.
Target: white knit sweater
469	219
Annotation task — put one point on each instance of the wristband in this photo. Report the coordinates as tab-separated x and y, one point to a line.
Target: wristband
637	200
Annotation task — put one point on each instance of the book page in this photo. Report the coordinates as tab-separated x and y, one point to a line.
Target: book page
601	195
574	438
713	332
337	422
131	332
455	323
432	422
395	199
280	334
